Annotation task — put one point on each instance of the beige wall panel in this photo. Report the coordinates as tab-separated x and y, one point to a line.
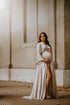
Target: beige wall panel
67	33
60	34
43	16
21	56
31	20
4	33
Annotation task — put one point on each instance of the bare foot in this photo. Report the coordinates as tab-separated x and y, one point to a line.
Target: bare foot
48	97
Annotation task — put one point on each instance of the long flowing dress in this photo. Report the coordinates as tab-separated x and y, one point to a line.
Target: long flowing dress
39	85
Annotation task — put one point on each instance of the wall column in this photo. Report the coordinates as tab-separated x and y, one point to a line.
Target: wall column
63	42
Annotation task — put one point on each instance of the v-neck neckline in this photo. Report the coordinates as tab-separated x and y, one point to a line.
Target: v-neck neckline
44	44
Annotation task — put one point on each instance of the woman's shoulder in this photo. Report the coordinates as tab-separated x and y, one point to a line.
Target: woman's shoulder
39	43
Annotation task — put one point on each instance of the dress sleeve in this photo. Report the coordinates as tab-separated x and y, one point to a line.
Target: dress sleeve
48	47
39	54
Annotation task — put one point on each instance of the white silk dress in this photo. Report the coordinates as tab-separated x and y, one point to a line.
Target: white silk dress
39	85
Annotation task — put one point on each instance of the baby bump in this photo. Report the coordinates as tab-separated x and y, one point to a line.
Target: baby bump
47	55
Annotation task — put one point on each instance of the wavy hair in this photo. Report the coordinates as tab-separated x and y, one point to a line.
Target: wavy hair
46	39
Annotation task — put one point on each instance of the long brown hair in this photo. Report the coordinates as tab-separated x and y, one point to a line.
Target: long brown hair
46	39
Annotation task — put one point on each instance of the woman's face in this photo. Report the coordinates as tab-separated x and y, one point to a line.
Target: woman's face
42	37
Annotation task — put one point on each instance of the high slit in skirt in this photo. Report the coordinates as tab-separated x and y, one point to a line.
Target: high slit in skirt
39	86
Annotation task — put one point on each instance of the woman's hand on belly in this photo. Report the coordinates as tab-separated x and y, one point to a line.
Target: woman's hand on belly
49	50
46	61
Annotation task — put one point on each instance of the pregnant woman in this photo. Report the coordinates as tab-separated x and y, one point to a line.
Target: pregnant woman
44	86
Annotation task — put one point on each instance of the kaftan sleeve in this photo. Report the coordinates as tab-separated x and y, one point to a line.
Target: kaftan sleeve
39	54
48	47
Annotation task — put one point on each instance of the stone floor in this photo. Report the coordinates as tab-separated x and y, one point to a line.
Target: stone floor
11	93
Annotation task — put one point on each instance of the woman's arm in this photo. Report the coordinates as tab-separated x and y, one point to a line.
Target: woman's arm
46	61
39	55
49	50
39	52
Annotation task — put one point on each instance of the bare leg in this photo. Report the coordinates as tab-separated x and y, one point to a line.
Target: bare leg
48	80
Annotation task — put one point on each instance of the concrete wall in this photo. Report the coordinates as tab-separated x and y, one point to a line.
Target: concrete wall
26	54
60	34
67	33
4	33
23	25
63	42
